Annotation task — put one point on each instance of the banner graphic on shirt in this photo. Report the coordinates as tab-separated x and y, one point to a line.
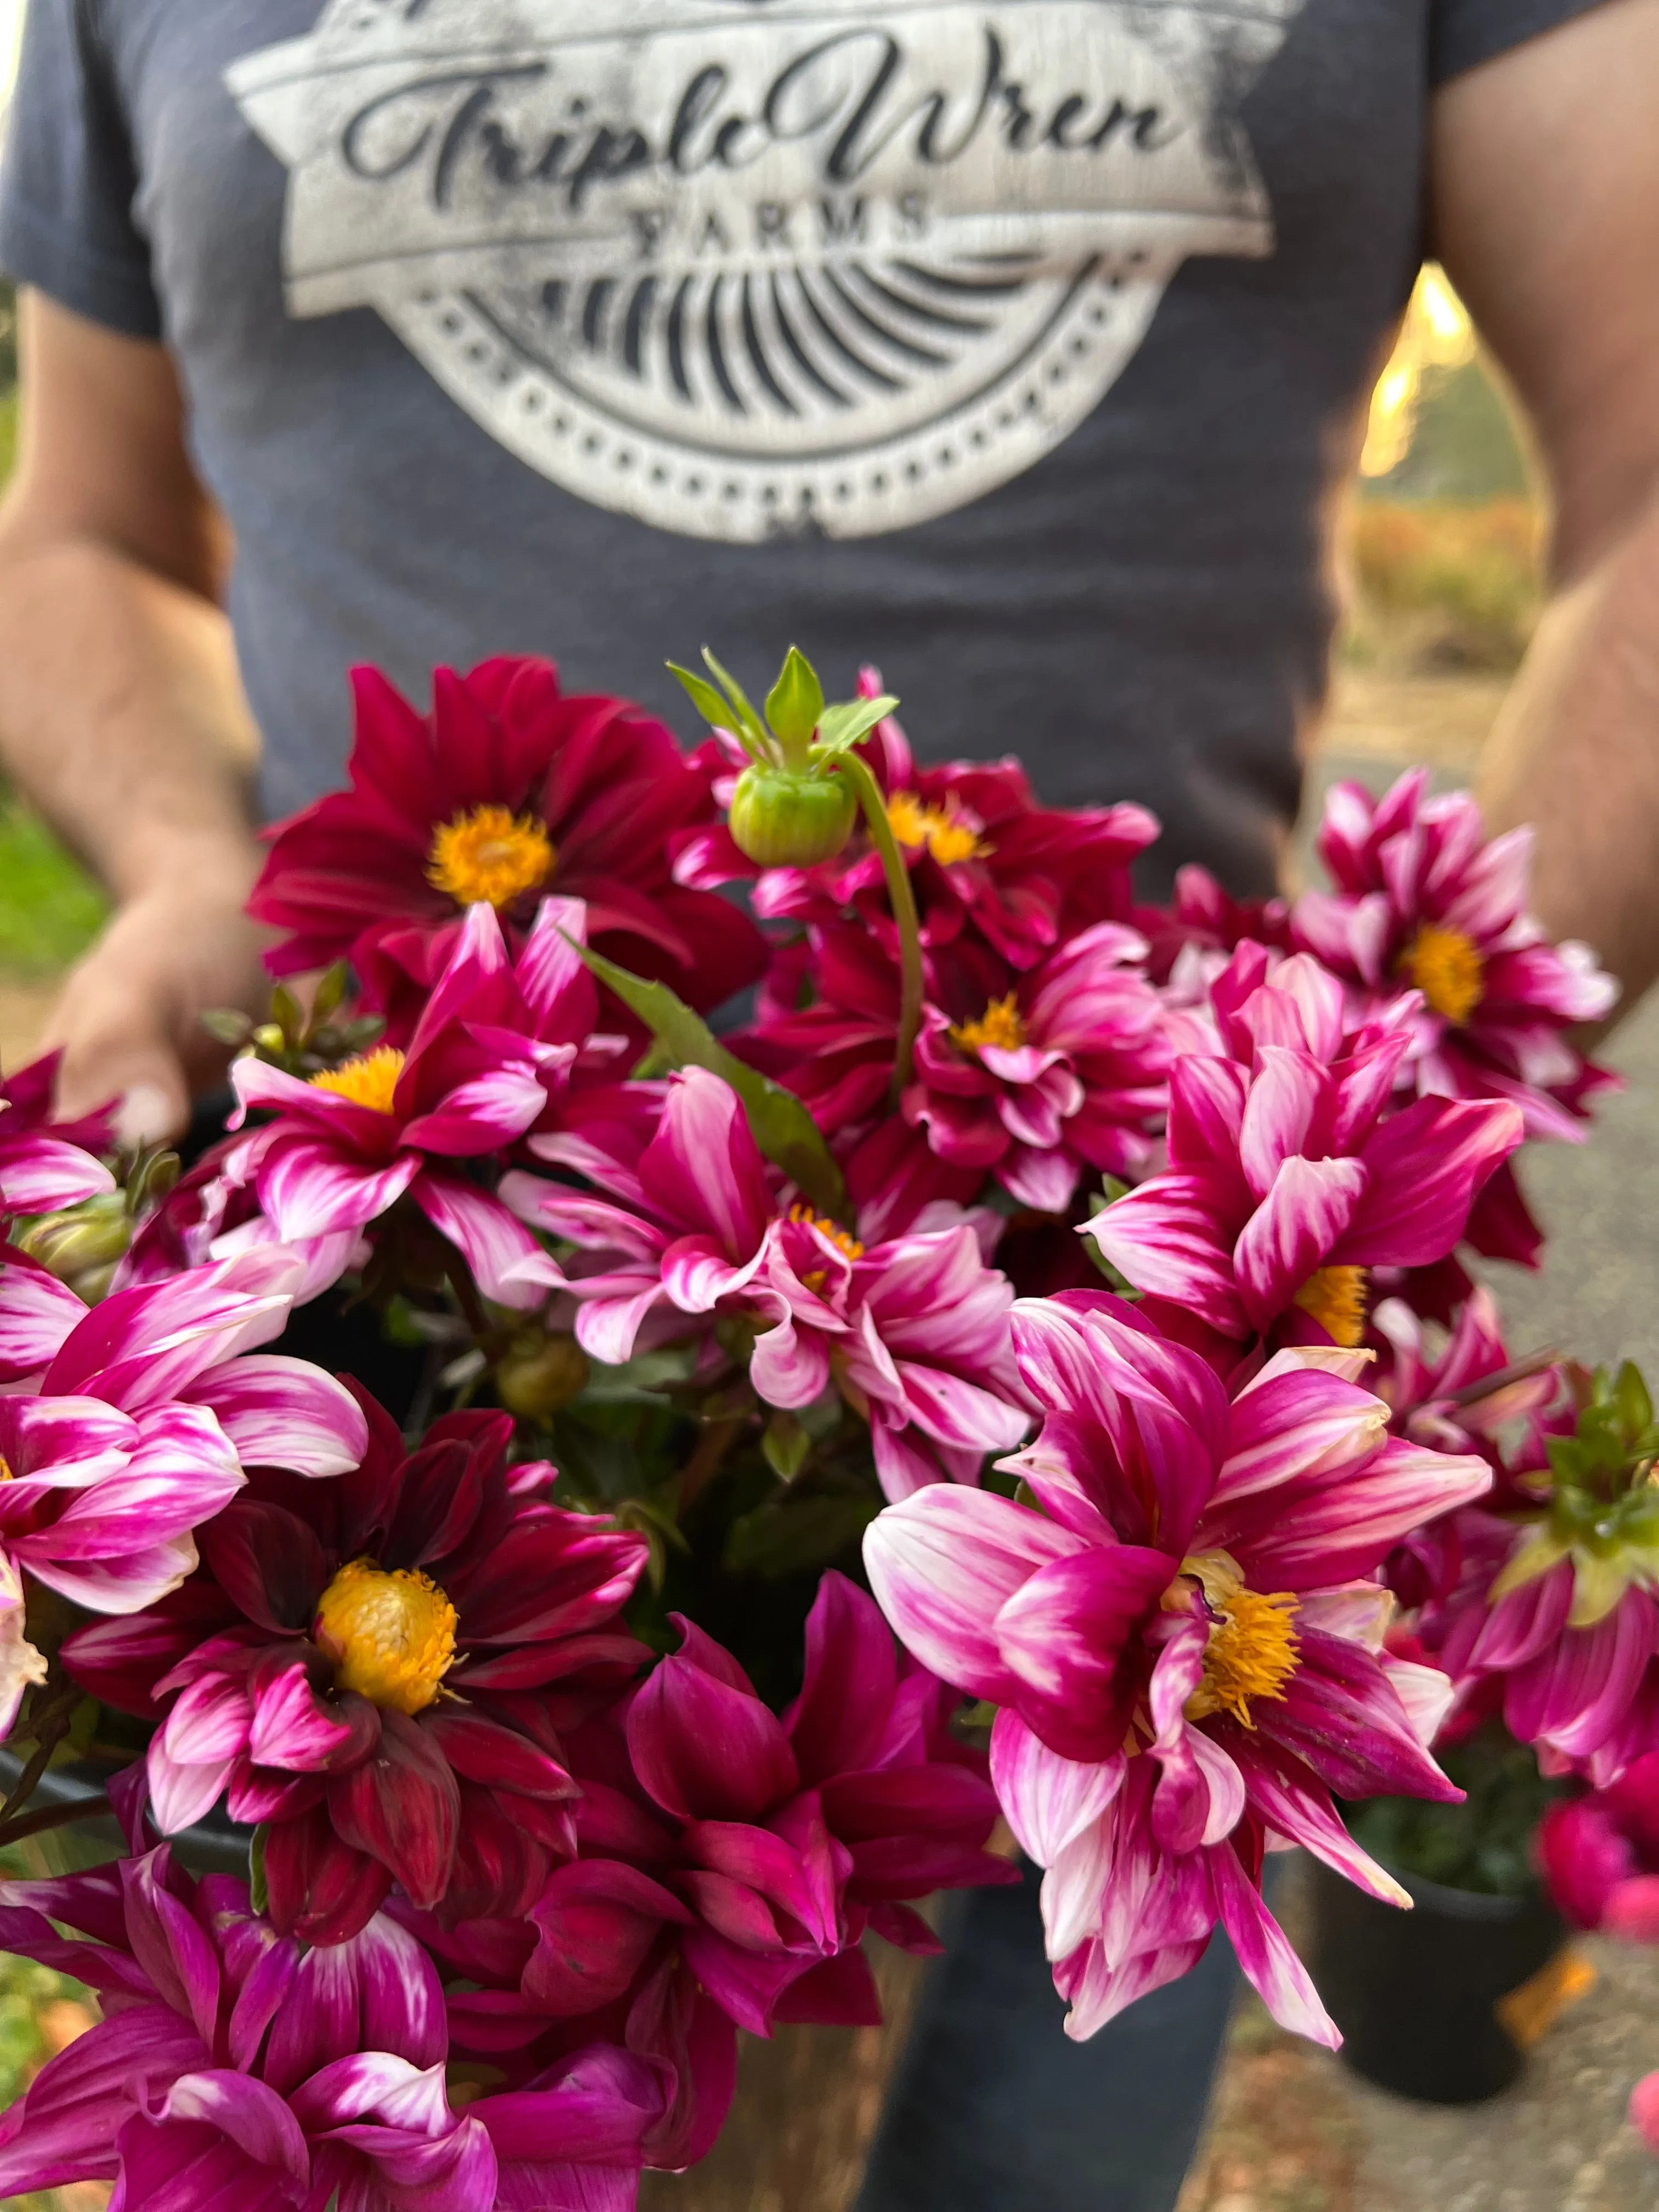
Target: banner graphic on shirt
746	267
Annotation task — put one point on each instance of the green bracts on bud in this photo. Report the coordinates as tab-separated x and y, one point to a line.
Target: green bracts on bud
784	817
93	1235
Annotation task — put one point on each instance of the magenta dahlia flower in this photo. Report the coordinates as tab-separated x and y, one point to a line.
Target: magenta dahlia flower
756	1851
139	1428
1289	1180
1423	899
349	1143
1599	1855
45	1163
362	1664
1183	1638
507	790
912	1332
1032	1077
985	860
229	2068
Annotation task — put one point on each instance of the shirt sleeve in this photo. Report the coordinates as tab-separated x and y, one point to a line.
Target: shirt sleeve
69	177
1462	34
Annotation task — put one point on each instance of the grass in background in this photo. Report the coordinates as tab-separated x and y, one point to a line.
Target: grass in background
49	908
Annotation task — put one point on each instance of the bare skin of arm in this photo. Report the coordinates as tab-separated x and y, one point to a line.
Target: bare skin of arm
1546	213
121	713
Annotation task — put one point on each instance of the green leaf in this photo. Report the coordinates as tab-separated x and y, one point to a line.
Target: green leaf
841	726
786	1446
716	711
792	1535
289	1017
734	691
226	1025
331	992
259	1891
783	1128
1635	1406
796	700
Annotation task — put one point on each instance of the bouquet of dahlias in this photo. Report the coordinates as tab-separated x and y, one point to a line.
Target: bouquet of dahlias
989	1376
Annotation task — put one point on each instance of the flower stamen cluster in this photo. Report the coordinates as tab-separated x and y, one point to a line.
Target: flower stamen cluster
490	853
391	1636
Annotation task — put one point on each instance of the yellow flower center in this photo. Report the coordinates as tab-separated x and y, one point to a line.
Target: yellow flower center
1335	1297
391	1636
1000	1024
369	1078
1447	968
946	836
816	1278
491	855
1253	1646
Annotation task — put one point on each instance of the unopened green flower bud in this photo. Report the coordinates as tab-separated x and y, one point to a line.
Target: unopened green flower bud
785	818
540	1375
91	1235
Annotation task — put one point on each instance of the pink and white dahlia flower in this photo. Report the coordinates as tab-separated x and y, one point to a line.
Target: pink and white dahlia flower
230	2069
45	1163
1424	900
1030	1076
1183	1638
349	1144
140	1427
1289	1178
914	1332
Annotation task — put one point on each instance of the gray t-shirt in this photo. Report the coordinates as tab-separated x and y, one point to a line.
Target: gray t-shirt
1015	345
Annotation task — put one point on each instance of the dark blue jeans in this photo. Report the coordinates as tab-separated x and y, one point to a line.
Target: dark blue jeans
993	2110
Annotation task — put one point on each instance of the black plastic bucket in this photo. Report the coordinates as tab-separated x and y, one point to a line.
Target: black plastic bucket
1416	1994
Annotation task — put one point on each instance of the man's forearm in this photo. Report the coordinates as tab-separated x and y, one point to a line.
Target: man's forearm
1576	753
122	717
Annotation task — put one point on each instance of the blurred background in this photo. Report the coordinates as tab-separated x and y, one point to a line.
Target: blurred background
1441	559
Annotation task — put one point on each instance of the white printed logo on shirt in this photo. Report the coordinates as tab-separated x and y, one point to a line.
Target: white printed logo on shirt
746	267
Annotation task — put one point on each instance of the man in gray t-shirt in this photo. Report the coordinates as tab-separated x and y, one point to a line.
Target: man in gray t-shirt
1019	346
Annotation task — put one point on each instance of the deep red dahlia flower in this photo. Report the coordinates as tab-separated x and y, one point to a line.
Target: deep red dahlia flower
507	790
362	1664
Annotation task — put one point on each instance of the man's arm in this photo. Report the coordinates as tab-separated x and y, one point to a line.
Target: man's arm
121	713
1546	212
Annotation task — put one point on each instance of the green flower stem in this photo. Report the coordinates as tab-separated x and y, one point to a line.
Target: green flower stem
903	900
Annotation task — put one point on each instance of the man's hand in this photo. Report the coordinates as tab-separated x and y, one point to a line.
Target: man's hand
128	1017
122	715
1546	212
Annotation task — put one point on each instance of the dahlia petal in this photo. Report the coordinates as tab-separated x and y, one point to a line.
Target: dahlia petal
1338	1523
309	1189
1048	1800
63	2128
1291	1800
703	1167
847	1694
942	1564
254	2117
1167	1239
1279	1977
706	1748
1061	1635
39	1173
1285	1094
401	1808
507	1264
291	1727
142	1347
1292	1232
1423	1168
37	1315
279	1411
